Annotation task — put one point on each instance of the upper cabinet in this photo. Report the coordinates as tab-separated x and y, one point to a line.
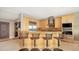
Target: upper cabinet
25	23
43	23
68	18
51	24
58	22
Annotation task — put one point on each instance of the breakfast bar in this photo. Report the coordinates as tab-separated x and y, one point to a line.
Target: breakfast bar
40	34
40	41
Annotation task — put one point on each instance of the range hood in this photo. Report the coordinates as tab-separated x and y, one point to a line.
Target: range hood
51	22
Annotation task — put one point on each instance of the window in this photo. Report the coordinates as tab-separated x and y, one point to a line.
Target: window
32	26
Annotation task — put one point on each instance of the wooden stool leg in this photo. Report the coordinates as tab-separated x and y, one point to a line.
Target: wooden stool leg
34	42
46	43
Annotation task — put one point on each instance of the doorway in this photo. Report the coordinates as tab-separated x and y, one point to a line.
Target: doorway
4	30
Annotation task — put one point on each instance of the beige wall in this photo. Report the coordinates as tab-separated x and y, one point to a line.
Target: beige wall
76	27
12	29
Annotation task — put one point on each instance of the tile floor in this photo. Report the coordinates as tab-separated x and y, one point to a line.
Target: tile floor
68	46
13	45
9	45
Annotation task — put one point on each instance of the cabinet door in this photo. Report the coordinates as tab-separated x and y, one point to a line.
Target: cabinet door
58	22
43	23
67	18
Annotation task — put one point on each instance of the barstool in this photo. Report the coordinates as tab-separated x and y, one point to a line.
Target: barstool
46	38
25	36
34	37
58	41
24	49
22	37
57	49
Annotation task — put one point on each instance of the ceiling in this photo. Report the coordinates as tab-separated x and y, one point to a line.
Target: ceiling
37	12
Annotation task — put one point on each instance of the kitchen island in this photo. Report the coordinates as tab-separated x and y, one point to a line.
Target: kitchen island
40	43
